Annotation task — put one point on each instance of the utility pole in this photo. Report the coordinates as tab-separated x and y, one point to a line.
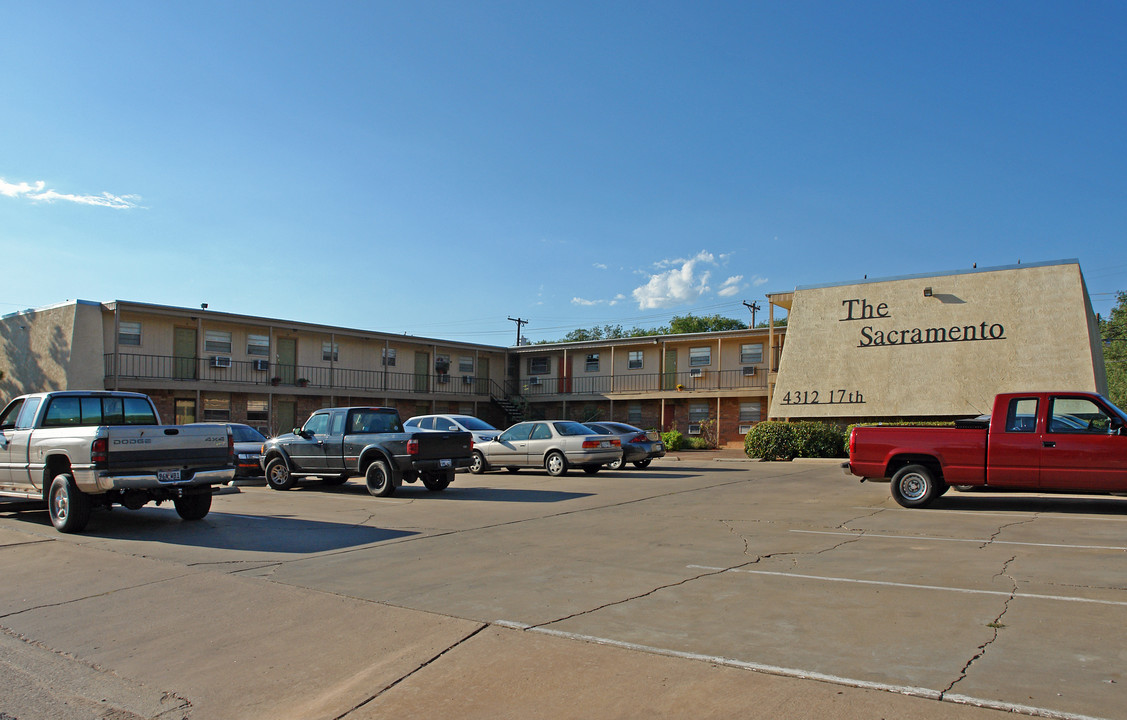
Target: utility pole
753	307
519	322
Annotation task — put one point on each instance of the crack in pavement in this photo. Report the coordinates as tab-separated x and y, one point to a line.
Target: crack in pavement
407	675
874	513
996	625
758	558
107	593
1002	528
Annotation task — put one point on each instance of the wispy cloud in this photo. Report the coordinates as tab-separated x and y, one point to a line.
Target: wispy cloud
684	282
600	266
588	303
730	287
39	192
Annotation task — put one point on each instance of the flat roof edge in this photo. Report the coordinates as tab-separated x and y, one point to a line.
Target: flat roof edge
947	273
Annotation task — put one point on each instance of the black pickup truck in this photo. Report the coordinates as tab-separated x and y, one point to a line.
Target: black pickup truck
338	443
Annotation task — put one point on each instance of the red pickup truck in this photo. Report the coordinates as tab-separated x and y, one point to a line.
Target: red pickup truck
1071	442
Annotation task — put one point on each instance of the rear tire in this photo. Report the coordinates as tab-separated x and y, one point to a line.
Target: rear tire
478	464
68	506
592	469
914	486
278	475
193	507
438	481
555	464
378	479
618	464
643	464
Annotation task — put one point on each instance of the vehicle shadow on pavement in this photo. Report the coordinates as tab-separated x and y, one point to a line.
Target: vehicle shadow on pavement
228	531
480	494
1002	502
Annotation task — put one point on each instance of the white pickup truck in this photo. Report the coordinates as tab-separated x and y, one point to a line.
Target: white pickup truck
77	450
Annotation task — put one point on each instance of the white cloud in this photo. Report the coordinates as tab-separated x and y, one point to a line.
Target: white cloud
588	303
600	266
730	287
676	286
39	192
757	281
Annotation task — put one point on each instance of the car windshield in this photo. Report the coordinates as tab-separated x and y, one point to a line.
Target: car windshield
472	423
373	421
245	433
571	428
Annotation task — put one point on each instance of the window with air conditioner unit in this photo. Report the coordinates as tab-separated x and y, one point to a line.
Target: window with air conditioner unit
443	379
467	380
696	372
694	428
261	365
534	380
220	361
745	429
749	370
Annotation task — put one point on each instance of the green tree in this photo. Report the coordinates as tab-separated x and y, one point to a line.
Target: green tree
708	323
1113	331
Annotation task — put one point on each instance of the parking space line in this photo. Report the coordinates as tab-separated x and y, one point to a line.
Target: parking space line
912	586
978	513
932	538
912	691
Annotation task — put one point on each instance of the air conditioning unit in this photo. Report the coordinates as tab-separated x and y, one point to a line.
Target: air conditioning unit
696	372
745	429
467	379
534	380
443	379
749	370
694	428
261	365
220	361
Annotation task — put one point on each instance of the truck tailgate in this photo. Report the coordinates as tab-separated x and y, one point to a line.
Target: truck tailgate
152	448
438	445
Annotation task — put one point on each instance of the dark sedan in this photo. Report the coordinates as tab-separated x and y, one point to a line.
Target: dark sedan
638	446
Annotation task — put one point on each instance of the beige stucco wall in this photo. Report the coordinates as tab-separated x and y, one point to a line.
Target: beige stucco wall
884	349
54	348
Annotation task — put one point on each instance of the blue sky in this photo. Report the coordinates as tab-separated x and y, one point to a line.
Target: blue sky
434	168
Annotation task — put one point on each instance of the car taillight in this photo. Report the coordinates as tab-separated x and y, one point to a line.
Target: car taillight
412	447
98	450
588	444
639	438
852	435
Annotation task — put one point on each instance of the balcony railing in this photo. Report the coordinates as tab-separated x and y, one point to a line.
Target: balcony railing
131	366
711	380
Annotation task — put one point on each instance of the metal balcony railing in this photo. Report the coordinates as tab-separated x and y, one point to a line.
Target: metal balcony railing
641	383
131	366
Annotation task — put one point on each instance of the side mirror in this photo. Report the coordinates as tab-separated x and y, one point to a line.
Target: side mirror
299	431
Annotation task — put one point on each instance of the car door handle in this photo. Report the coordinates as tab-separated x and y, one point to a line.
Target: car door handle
1048	444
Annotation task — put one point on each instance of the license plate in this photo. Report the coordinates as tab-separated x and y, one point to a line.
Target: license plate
168	476
604	444
445	462
658	447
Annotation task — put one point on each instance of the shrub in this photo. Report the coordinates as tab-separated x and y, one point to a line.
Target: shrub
698	443
673	440
773	440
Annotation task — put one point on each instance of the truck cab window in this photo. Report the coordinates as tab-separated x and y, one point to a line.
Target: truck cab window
1078	415
8	419
318	424
1022	415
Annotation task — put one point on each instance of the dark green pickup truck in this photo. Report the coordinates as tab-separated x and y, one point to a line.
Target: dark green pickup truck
338	443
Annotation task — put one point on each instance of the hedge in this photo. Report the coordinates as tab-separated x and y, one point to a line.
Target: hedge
774	440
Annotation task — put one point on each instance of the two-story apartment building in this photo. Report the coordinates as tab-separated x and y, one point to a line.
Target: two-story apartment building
203	365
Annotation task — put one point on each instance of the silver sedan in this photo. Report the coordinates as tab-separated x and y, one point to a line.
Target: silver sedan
554	445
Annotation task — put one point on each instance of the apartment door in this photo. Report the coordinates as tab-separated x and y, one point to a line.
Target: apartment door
184	354
286	360
185	411
422	371
482	385
669	375
285	416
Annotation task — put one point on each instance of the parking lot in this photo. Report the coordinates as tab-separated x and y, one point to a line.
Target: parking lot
696	588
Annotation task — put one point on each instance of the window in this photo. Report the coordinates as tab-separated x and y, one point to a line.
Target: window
318	424
8	421
700	356
330	351
27	417
634	360
185	411
540	432
1022	415
76	412
750	412
217	341
129	333
258	410
216	409
634	413
337	424
388	357
539	365
465	364
592	364
698	412
751	354
258	345
1077	415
